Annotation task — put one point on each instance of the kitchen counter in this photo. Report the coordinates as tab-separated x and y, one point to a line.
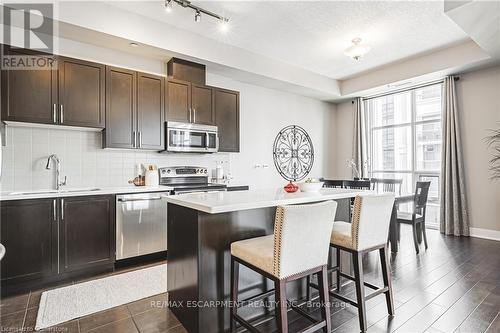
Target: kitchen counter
75	192
222	202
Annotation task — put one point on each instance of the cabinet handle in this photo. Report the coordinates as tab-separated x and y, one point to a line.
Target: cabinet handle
194	115
140	139
58	237
54	209
62	209
190	114
134	139
54	113
62	114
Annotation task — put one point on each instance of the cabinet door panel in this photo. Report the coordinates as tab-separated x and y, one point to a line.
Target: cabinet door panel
150	111
87	232
202	105
227	116
29	95
81	93
29	234
120	107
178	101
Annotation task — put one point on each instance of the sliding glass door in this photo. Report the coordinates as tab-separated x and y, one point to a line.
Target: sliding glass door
404	134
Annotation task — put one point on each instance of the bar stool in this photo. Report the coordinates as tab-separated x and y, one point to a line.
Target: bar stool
298	248
368	232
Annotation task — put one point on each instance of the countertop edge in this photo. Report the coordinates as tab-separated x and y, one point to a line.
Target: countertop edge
177	200
103	191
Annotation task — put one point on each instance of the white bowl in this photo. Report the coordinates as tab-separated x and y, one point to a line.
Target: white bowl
310	187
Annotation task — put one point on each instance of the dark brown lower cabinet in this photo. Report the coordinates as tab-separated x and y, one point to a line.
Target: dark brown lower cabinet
48	240
29	234
87	232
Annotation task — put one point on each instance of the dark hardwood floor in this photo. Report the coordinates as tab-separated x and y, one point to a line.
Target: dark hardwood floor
454	286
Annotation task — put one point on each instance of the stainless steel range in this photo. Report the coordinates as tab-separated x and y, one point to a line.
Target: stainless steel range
188	179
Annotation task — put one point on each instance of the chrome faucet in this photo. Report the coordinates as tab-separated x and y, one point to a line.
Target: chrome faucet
59	183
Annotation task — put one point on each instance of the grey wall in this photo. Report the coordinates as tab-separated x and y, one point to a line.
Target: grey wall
478	95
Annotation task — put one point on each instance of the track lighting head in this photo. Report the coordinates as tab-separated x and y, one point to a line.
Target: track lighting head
224	24
168	5
197	16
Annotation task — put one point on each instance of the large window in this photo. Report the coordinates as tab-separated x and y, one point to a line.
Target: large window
404	134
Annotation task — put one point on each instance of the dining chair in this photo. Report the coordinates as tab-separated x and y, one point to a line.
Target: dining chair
298	248
357	184
332	183
387	185
417	216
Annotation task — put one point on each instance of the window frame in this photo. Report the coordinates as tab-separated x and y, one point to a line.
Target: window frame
414	171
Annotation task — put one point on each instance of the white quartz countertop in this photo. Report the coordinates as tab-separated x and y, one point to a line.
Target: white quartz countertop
77	192
221	202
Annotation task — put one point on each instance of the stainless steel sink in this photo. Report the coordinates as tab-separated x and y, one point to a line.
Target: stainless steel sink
67	190
79	190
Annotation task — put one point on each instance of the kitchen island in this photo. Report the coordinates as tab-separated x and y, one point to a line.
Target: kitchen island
201	227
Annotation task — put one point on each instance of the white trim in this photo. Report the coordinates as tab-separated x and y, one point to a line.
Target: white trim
485	233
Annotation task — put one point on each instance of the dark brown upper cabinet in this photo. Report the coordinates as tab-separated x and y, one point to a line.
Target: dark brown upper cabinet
178	101
189	102
81	93
202	105
121	108
87	232
28	232
150	111
29	95
227	119
72	94
134	110
180	69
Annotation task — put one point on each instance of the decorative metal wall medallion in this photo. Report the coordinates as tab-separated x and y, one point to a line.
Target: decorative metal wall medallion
293	153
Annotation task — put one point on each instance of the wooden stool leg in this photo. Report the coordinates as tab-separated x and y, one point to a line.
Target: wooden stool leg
339	285
360	291
386	275
308	286
281	306
234	293
324	298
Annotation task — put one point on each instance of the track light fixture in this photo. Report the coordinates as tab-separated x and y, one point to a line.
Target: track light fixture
223	21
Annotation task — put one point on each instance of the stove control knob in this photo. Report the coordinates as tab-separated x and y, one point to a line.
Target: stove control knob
168	171
205	171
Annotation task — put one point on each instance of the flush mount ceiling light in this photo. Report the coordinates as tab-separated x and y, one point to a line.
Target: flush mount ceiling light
356	51
223	21
133	44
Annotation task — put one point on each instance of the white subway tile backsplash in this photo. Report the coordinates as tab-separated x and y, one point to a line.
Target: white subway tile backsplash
82	160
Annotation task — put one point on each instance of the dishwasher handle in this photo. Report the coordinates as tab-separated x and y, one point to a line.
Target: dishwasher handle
139	199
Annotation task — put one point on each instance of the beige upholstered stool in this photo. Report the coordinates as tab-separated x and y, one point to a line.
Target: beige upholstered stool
368	232
298	248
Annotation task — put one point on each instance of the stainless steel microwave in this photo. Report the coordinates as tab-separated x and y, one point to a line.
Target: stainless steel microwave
194	138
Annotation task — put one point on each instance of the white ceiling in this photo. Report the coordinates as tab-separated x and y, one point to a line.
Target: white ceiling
313	35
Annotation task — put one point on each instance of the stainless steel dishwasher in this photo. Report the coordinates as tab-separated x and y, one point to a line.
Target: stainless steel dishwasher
141	224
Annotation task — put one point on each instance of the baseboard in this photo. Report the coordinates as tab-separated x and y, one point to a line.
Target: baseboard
485	233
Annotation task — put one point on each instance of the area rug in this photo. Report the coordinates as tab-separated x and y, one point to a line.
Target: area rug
78	300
